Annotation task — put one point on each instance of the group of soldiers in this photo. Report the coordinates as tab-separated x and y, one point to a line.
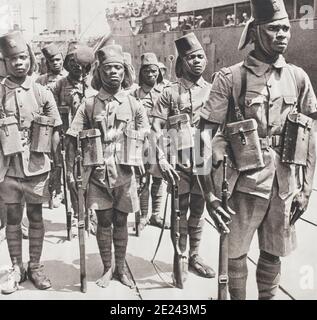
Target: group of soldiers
245	114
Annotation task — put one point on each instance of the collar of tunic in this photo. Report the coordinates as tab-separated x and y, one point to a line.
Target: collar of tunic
259	68
104	95
26	85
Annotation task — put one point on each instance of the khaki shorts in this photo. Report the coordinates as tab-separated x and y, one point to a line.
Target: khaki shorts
33	190
188	183
123	198
269	217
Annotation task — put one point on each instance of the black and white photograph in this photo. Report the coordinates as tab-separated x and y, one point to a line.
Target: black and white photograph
158	150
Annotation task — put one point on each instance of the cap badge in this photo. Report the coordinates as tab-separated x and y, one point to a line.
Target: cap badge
12	43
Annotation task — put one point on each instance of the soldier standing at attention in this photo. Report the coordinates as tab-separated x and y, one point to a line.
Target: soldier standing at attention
24	171
54	62
69	93
149	91
187	96
274	95
112	190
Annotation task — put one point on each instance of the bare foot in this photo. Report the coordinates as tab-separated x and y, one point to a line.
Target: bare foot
124	279
104	281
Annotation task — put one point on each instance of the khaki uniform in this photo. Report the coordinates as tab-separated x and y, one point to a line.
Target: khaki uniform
68	95
49	79
111	185
191	98
24	176
149	97
262	198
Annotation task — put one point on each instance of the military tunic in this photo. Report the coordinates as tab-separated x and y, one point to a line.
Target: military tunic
111	185
191	98
49	79
24	176
262	198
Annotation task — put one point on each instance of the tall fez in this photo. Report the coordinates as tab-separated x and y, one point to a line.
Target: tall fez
149	58
187	44
111	54
12	43
264	11
51	50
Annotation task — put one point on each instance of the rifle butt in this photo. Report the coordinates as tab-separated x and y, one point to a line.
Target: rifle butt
223	268
177	271
81	238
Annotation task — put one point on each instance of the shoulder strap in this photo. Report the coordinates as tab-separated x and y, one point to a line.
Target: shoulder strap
37	94
2	97
90	106
297	76
133	110
239	85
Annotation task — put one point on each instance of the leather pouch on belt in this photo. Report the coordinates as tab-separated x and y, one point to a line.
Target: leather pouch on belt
180	131
91	147
42	132
129	147
10	139
245	144
296	139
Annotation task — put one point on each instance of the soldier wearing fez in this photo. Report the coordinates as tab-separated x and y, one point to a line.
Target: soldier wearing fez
26	110
186	97
54	62
149	91
112	191
258	104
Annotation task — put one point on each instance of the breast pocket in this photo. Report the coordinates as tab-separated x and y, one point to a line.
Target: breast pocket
255	108
122	119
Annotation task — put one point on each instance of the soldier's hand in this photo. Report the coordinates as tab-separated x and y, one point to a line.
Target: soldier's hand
142	184
219	215
299	206
168	172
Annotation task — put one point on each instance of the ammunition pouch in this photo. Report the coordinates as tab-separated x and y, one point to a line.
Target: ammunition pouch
245	145
129	147
180	131
91	147
10	138
296	139
42	133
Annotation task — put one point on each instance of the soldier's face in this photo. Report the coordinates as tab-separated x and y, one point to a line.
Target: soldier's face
150	74
275	36
75	69
19	64
56	63
113	74
195	63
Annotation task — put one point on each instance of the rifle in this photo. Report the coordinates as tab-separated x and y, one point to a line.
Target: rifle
175	235
81	218
67	201
223	243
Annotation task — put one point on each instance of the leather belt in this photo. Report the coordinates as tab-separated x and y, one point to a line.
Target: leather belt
271	142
